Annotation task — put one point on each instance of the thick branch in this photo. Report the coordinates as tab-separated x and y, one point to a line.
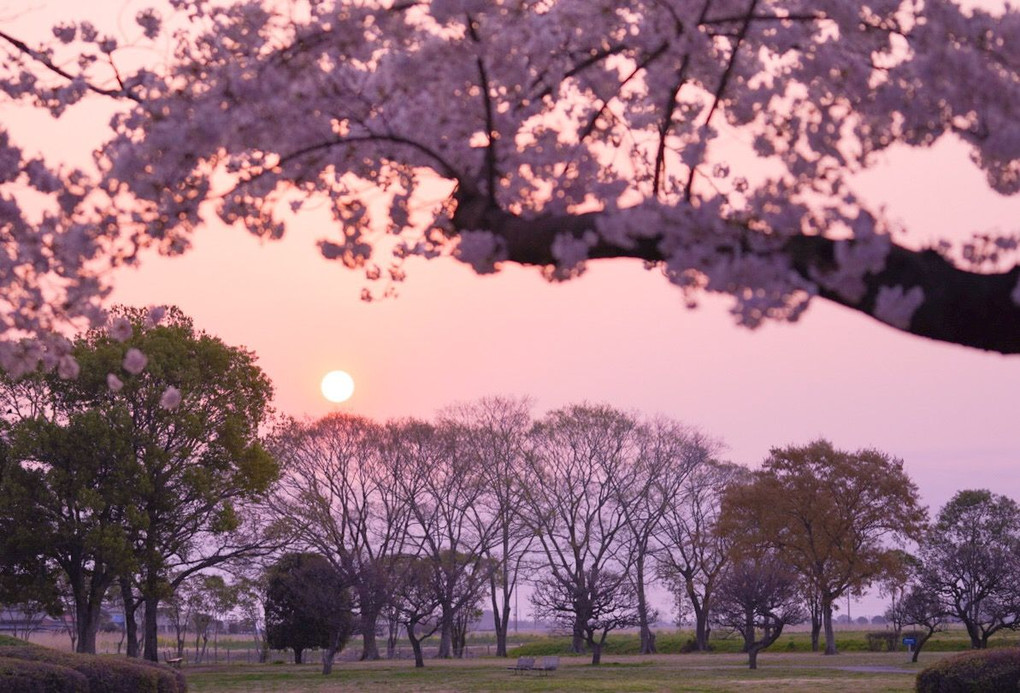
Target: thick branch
960	307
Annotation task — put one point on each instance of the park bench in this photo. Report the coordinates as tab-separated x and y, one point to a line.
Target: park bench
548	663
523	664
172	660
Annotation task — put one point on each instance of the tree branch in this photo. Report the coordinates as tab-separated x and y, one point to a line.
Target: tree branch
23	47
960	307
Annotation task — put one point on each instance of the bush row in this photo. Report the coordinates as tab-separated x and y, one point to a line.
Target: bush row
28	668
980	671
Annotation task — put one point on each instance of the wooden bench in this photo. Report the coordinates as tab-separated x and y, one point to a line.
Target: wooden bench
548	663
523	664
171	660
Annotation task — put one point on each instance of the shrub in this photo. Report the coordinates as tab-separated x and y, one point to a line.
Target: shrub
107	674
978	671
882	641
23	676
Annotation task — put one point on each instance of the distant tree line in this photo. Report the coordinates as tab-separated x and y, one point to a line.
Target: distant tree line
163	488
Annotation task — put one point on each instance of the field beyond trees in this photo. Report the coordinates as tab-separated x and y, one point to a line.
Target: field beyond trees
854	671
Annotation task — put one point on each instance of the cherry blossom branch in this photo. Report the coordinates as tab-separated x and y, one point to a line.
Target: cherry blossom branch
723	81
490	123
952	305
23	47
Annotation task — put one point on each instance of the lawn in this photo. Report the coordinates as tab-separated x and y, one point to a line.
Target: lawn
854	671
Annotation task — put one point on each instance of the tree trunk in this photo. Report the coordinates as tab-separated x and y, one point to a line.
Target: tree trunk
700	617
419	659
299	654
87	612
830	634
596	653
917	647
577	644
393	632
500	616
501	635
446	634
369	648
130	623
329	655
752	657
151	628
647	636
816	632
973	634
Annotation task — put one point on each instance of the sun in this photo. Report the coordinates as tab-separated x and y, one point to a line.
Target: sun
337	386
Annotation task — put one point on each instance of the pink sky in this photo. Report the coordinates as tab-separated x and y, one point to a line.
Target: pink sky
618	335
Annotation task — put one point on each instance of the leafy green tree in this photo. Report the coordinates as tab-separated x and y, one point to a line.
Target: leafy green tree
831	514
26	574
165	456
67	501
971	560
194	414
308	604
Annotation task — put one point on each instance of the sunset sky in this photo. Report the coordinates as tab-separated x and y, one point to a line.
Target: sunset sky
619	335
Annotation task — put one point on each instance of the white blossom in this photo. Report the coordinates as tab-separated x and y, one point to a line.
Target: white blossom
155	315
134	361
538	110
171	398
150	21
68	367
121	329
480	249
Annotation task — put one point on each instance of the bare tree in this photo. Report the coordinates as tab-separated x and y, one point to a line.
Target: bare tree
920	606
758	596
415	602
582	456
971	559
493	432
691	554
665	458
443	491
342	498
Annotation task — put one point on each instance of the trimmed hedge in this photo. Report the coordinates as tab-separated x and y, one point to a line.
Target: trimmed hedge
979	671
23	676
101	674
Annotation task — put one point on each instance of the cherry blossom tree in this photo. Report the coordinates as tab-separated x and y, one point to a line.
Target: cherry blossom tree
715	140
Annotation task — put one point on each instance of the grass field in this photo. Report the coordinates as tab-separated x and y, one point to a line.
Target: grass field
788	665
849	672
